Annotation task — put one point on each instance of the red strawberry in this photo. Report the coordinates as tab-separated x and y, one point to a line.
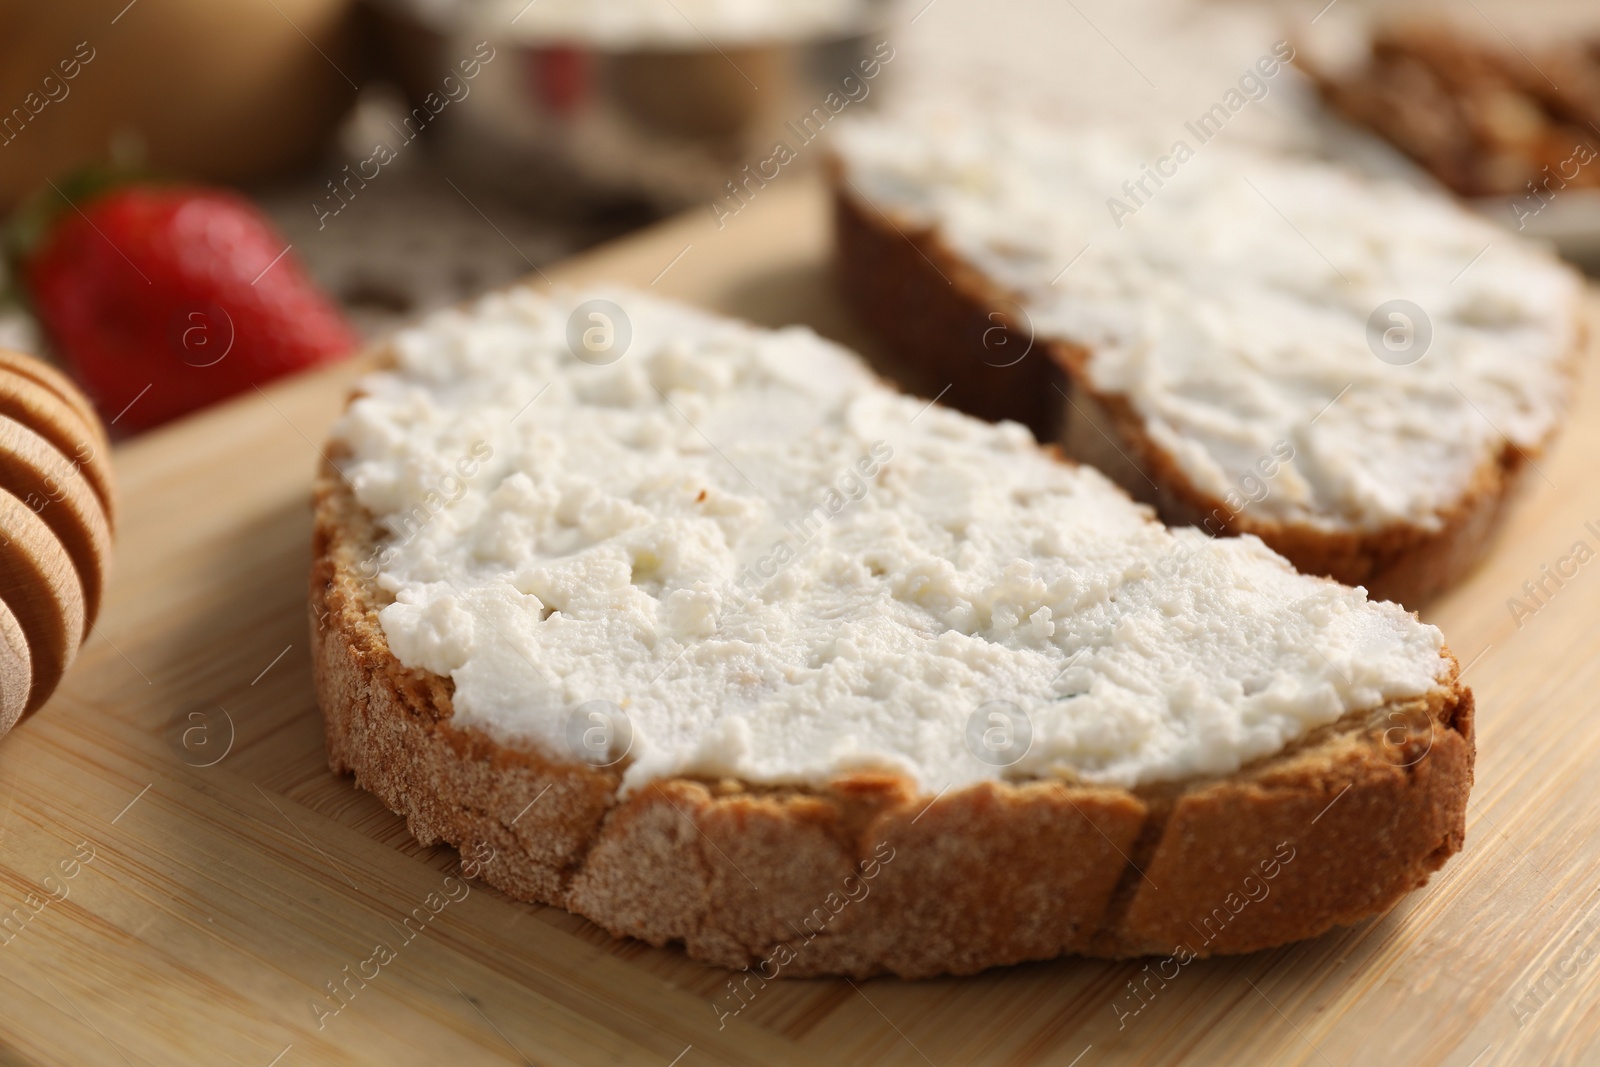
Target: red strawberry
164	298
560	78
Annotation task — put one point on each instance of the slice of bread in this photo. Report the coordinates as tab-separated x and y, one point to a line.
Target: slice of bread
803	792
1424	84
1359	373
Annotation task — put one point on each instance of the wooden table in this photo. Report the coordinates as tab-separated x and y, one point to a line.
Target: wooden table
200	874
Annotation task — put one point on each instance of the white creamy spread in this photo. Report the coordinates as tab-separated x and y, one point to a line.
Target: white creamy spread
1229	299
783	571
650	24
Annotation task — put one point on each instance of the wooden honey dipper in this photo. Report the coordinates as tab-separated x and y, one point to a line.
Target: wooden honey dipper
57	513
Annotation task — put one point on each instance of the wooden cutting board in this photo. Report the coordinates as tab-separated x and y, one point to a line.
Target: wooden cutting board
181	876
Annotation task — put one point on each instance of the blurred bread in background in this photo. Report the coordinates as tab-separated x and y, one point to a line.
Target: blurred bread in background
218	91
1485	117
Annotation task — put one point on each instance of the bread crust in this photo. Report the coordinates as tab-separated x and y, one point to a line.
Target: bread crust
867	875
931	306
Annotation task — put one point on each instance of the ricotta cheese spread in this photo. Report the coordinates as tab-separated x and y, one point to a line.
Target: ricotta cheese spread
1239	301
650	24
772	567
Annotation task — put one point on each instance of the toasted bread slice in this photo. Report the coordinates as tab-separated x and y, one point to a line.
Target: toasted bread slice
868	870
1192	439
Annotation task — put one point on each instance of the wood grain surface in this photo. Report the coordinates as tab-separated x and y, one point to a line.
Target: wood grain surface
182	879
54	488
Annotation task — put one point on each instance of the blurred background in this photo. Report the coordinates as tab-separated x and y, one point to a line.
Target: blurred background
410	153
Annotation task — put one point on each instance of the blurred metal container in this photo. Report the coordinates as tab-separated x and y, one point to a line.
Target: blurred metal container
574	125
